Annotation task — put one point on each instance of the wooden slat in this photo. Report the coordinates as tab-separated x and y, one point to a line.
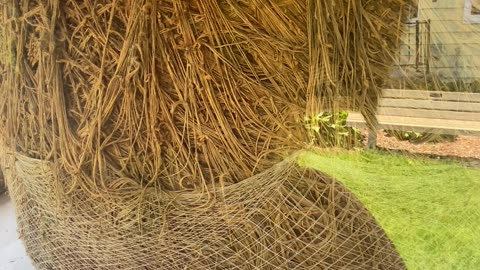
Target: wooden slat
465	116
430	105
440	126
355	120
431	95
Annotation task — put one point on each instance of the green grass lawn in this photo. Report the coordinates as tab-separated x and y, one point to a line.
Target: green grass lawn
430	209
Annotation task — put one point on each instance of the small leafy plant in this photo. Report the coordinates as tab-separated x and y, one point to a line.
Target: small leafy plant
420	137
328	129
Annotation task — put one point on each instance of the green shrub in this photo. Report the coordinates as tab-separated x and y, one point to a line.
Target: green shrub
420	137
328	129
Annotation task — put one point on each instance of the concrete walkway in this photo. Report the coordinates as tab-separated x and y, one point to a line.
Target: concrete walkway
12	252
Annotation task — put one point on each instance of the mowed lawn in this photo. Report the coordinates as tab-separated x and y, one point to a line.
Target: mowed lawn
430	209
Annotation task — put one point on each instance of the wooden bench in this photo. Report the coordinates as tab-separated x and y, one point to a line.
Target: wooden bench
424	111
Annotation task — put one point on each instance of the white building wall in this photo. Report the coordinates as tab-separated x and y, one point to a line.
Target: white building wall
454	40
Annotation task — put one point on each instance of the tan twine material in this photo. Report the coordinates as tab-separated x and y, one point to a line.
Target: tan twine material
283	218
158	123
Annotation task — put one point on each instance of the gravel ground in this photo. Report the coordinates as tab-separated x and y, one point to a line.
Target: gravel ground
465	147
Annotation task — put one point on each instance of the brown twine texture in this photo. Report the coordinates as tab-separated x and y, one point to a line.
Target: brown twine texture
158	123
283	218
173	93
3	185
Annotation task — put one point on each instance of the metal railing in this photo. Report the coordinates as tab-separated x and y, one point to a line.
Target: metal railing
416	47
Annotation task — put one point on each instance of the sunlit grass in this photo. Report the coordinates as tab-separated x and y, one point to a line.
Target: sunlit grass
430	209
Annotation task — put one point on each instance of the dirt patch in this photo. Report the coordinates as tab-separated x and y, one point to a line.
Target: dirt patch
465	149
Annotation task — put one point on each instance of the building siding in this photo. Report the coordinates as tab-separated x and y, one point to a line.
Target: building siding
454	44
